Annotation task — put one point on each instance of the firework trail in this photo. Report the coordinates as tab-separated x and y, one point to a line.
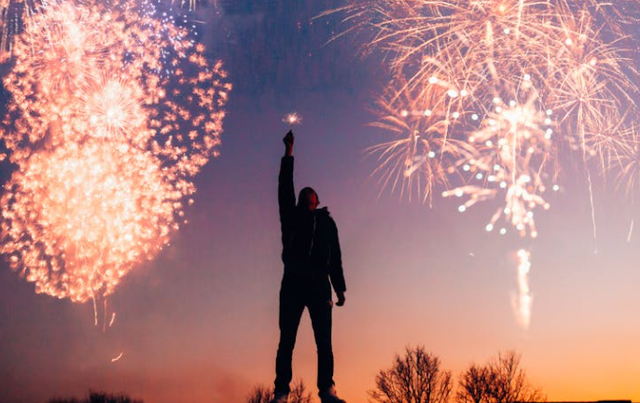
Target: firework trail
523	302
112	112
488	99
118	357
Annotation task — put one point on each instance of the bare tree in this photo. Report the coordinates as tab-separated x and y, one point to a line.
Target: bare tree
98	397
414	378
299	393
260	394
264	394
500	381
473	386
509	381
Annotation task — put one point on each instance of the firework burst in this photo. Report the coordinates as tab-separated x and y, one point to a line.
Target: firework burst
112	114
513	89
520	82
420	157
79	218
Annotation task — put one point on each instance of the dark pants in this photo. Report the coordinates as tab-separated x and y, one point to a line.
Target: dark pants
294	297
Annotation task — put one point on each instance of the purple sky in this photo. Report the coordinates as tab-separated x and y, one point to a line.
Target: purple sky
199	323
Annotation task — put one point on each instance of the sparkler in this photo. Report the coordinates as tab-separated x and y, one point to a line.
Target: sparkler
112	113
516	87
292	119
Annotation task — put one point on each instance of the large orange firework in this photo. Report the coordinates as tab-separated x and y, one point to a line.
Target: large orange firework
501	93
112	113
80	217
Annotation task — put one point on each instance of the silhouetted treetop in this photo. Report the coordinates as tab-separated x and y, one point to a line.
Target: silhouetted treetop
501	380
98	397
415	377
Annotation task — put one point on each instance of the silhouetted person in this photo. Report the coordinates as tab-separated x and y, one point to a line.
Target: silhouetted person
311	256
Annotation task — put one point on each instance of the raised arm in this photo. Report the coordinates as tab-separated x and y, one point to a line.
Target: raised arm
286	194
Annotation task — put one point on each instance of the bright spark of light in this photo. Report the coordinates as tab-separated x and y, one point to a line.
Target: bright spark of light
292	118
112	113
118	357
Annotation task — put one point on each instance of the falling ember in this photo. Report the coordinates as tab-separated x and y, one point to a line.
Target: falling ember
292	118
118	357
105	156
523	302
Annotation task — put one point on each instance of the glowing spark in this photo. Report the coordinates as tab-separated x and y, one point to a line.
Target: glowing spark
292	118
118	357
630	232
524	301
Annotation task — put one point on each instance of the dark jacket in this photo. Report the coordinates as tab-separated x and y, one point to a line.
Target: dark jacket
310	245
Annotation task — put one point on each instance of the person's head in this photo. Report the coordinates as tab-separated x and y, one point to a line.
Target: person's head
308	199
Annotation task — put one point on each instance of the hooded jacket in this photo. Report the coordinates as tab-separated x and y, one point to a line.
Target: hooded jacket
310	245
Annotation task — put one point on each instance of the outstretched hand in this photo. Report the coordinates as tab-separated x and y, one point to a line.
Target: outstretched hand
288	143
341	299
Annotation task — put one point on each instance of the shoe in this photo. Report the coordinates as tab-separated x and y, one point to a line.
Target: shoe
280	398
330	396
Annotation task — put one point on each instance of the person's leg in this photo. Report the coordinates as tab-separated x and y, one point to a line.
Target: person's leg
291	308
320	312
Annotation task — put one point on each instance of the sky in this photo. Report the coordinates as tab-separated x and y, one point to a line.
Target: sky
199	322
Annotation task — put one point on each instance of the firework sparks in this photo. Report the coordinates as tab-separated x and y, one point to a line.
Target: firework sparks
513	147
519	82
107	124
419	158
79	218
488	99
15	15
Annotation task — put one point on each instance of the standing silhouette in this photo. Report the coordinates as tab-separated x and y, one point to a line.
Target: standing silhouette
311	256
